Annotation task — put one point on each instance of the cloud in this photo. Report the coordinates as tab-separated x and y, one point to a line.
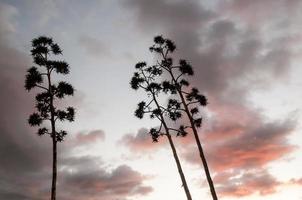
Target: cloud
141	142
187	13
244	183
85	177
253	147
245	10
22	151
88	138
249	183
94	47
232	56
7	15
296	181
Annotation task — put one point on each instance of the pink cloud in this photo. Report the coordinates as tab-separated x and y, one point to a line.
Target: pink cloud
141	142
296	181
259	181
83	138
91	136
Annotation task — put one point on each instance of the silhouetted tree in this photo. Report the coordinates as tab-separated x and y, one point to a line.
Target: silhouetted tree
145	78
43	52
188	100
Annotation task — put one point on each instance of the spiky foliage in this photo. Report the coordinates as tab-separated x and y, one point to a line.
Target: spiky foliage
43	48
145	78
148	79
188	100
178	84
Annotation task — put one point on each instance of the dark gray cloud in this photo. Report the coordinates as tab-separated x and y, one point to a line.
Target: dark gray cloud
86	177
164	15
21	151
221	49
236	48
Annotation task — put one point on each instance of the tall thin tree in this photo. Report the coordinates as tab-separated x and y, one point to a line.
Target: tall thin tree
43	52
188	101
145	78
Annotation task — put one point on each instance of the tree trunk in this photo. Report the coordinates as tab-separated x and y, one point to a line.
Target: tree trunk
182	176
54	139
201	153
54	170
205	164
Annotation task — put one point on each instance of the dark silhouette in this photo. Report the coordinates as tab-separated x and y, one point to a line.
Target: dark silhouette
145	78
43	50
188	101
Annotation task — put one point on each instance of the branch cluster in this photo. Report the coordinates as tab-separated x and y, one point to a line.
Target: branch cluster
42	49
183	98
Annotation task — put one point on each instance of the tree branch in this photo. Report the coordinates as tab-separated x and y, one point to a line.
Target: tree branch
192	102
40	86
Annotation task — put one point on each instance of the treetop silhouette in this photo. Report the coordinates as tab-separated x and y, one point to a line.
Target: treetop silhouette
188	99
43	51
147	78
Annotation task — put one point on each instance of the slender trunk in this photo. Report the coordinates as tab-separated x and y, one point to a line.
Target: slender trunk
54	152
180	171
182	176
201	153
202	156
54	140
54	170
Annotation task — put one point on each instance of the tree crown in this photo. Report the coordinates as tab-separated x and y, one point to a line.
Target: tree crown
153	80
43	50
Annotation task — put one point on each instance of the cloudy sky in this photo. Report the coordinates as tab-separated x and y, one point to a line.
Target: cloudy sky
246	57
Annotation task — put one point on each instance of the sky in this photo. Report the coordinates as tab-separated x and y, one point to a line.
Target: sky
246	57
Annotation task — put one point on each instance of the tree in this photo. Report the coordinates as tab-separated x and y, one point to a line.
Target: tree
145	78
43	50
188	101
